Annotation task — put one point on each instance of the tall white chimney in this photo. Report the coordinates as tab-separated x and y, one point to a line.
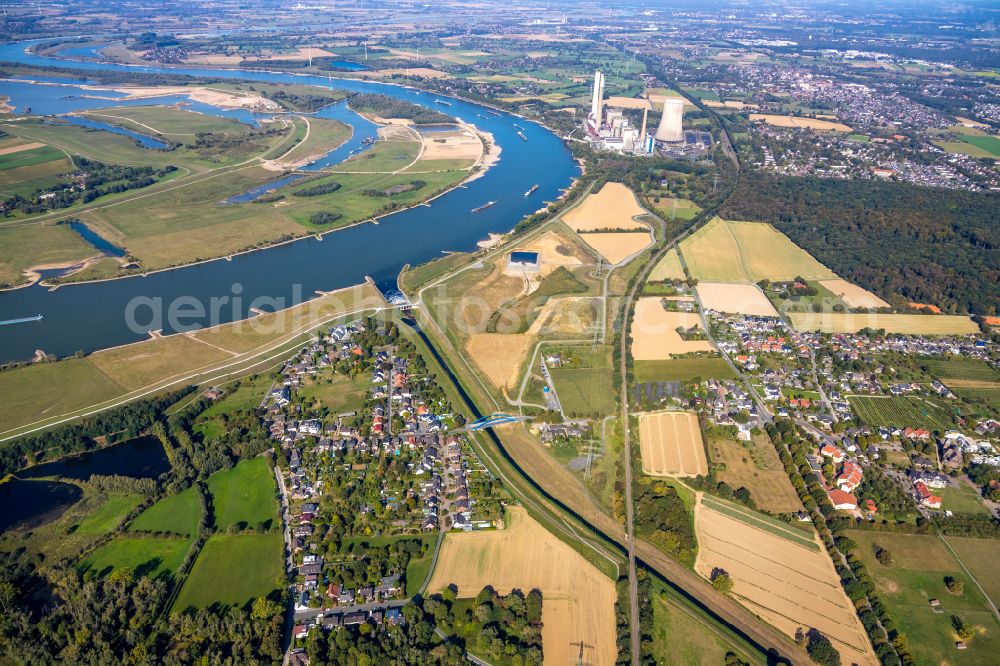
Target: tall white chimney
597	101
671	123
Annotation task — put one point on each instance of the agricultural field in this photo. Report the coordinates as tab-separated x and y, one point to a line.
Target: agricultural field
683	369
916	575
735	299
853	295
778	576
175	514
215	580
146	556
968	378
245	495
901	412
577	599
654	332
908	324
755	466
725	251
669	268
793	121
671	444
617	247
613	207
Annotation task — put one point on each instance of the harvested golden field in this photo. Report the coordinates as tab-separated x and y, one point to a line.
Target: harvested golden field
912	324
853	295
500	355
654	331
735	298
577	599
671	444
611	208
781	580
755	466
20	147
809	123
669	268
616	247
725	251
425	72
628	103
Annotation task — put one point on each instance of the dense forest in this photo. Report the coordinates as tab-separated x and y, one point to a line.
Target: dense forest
924	244
119	619
389	107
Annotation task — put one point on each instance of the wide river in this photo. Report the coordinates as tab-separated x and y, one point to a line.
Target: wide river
91	316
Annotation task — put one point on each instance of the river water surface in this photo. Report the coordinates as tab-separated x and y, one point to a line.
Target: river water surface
88	317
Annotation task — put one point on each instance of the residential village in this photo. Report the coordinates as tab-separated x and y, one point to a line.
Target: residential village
869	402
373	473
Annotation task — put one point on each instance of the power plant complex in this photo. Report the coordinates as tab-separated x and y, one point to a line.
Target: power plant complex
609	127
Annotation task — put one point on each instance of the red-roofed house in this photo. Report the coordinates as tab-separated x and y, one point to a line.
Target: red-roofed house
870	506
926	497
843	501
833	452
850	477
916	433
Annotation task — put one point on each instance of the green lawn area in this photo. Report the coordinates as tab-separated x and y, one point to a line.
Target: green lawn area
233	570
980	556
107	517
176	124
901	411
244	494
917	575
962	499
338	393
585	391
146	556
683	369
681	638
178	514
247	396
28	389
385	156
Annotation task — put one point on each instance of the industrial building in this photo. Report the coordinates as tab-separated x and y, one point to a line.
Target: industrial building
610	128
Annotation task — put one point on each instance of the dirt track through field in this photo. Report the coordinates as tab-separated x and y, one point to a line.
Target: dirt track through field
788	585
671	445
577	599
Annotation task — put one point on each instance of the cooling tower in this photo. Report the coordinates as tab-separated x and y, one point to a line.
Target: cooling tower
671	124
